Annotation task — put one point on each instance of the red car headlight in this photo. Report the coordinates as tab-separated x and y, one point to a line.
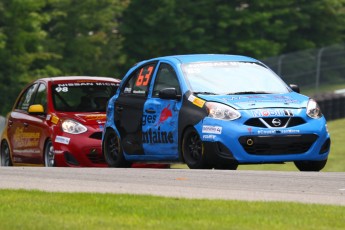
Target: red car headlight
73	127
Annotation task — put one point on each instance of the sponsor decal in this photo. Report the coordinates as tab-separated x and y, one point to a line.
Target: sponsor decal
95	117
83	83
148	119
196	101
26	139
212	129
127	90
55	119
165	114
152	118
157	136
48	117
272	113
209	137
273	131
250	130
26	151
62	140
261	98
159	127
63	88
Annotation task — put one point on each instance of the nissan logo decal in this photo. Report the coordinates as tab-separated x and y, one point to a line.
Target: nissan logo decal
276	122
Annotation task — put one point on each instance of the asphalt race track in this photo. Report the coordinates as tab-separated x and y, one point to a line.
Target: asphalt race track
306	187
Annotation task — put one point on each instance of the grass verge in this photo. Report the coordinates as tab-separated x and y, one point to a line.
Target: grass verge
43	210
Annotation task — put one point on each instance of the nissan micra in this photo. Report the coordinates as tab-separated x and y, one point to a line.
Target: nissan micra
212	111
58	121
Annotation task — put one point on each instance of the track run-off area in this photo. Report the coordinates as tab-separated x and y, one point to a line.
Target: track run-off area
304	187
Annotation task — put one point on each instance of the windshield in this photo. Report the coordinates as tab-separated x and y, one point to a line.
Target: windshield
232	78
83	97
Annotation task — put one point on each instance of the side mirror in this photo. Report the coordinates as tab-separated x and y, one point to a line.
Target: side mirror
168	93
36	109
295	88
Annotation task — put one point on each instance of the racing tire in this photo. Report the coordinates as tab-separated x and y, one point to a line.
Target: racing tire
309	166
5	155
49	155
193	150
112	151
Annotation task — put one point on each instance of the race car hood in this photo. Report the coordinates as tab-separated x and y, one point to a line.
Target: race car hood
85	118
255	101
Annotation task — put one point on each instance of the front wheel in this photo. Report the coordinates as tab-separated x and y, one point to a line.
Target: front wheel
5	155
49	155
193	150
112	150
310	165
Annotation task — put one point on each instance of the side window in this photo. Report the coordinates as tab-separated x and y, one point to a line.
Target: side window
26	98
41	96
166	78
138	83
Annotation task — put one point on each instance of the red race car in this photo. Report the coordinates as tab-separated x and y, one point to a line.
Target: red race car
58	122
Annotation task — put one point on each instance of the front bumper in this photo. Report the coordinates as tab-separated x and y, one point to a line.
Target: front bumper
309	141
83	150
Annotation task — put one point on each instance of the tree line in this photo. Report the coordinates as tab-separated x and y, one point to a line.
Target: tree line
42	38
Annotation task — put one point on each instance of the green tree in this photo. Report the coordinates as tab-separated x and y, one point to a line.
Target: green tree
256	28
85	35
21	51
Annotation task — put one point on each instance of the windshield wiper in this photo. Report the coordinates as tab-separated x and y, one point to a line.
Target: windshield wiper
208	93
249	92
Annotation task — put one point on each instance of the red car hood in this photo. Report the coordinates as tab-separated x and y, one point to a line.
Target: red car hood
85	118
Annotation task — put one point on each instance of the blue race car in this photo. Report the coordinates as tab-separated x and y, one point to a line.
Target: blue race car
212	111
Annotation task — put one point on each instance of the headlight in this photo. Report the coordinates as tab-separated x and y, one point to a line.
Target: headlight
73	127
313	109
221	111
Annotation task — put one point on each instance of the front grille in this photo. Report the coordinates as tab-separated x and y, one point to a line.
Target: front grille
268	122
96	135
96	158
70	159
277	145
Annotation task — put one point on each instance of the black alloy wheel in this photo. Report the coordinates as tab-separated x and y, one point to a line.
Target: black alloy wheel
5	155
193	150
112	150
49	155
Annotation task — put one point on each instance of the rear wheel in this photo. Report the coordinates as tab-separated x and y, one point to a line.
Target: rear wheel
193	150
5	155
112	150
49	156
310	165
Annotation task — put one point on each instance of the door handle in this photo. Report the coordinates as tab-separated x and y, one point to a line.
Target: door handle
150	111
119	108
10	122
26	124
